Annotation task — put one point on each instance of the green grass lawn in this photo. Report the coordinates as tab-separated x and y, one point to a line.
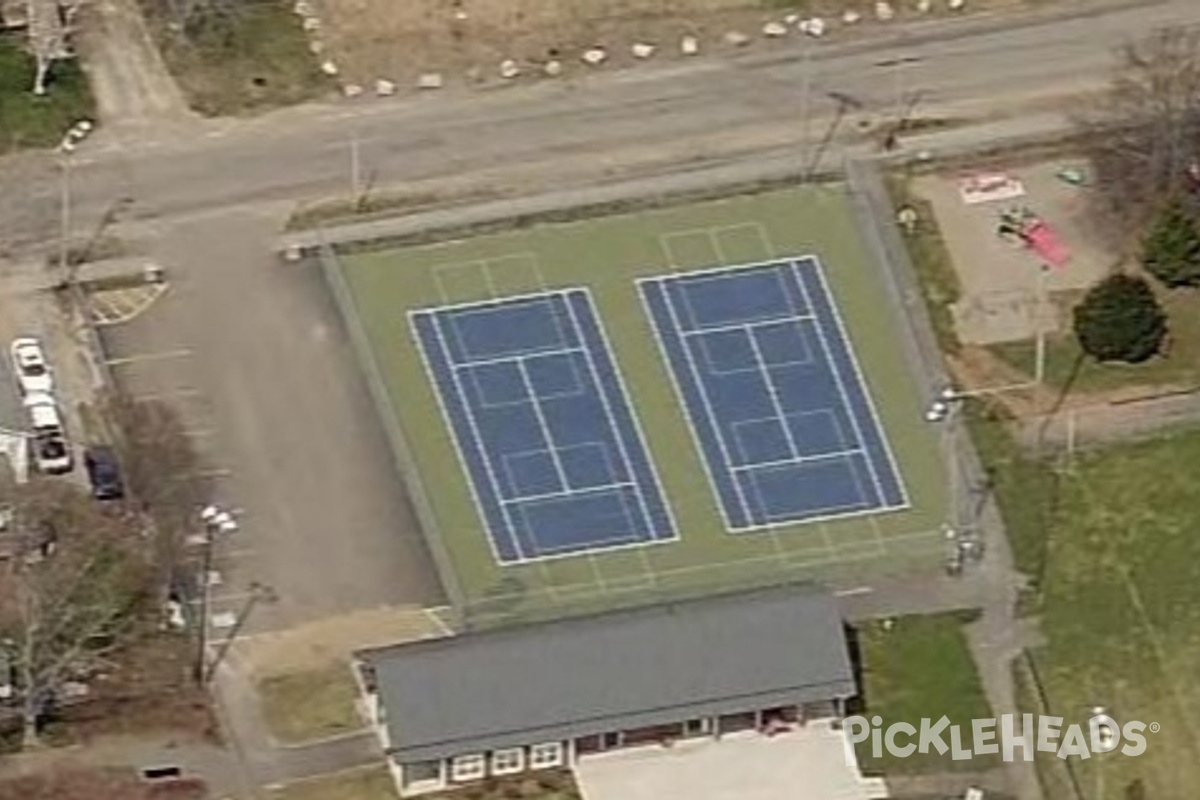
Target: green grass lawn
370	783
1066	364
919	669
304	706
30	121
607	255
1121	608
238	58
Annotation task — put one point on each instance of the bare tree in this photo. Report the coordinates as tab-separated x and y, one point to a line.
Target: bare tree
1143	135
160	465
72	591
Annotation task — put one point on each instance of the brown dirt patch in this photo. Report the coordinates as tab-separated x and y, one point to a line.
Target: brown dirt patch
468	39
148	688
95	784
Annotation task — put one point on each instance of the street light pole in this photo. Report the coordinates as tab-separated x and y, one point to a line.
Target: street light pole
216	522
259	593
64	214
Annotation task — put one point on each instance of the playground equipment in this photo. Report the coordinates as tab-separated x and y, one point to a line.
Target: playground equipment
1022	225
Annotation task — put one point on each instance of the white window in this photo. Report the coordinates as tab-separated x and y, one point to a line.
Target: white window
506	762
468	768
543	756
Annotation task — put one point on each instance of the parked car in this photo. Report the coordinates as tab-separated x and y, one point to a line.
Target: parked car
30	367
104	472
49	446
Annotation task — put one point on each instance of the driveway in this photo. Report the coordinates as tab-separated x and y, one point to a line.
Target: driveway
806	764
252	353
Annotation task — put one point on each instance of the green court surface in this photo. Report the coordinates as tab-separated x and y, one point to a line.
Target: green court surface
377	289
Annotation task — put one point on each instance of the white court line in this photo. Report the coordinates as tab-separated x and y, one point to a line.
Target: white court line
160	356
664	244
438	269
540	416
831	365
567	494
718	434
773	393
758	229
614	429
483	362
478	443
484	522
862	383
682	405
547	301
785	462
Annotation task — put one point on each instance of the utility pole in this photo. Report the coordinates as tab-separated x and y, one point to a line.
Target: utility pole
355	168
1039	354
64	213
259	593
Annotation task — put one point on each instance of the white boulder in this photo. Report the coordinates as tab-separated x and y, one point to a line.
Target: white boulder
329	68
642	50
736	38
689	45
595	56
553	68
851	16
884	10
509	69
773	30
429	80
814	26
384	87
352	90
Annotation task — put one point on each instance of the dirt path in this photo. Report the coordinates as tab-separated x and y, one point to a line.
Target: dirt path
128	76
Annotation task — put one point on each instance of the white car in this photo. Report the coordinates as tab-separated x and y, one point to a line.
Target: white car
30	366
50	449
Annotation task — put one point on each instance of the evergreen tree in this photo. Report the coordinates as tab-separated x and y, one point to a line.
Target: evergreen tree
1120	320
1171	250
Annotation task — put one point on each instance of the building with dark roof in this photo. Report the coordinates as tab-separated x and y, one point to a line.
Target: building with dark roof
502	701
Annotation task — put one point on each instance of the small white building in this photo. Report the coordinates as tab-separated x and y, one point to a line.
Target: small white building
492	703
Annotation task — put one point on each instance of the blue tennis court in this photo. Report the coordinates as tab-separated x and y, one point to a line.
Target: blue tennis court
773	392
543	426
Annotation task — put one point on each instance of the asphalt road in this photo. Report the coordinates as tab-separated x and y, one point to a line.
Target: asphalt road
590	129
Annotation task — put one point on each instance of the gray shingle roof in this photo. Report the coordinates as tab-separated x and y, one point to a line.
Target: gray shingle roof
626	669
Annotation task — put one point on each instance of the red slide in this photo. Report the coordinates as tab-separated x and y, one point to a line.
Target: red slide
1046	244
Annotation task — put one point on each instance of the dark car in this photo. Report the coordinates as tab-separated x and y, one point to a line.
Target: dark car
104	473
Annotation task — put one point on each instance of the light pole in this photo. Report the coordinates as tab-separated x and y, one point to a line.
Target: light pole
259	593
74	135
216	522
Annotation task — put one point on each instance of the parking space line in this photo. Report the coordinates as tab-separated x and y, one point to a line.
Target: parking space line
161	356
217	472
169	395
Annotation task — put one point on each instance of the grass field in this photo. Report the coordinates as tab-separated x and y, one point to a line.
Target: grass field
1121	608
238	58
304	706
1178	366
30	121
607	255
920	669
